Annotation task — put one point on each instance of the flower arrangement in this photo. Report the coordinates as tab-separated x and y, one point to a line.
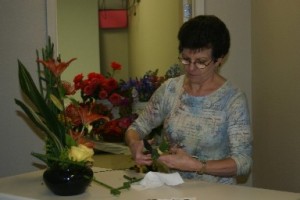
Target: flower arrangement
98	86
65	147
102	95
65	120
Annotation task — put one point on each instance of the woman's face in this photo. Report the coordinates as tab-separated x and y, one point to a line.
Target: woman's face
198	64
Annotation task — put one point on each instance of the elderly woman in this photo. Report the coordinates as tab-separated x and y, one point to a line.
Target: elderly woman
205	117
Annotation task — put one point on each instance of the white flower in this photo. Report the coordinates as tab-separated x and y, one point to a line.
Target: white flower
81	153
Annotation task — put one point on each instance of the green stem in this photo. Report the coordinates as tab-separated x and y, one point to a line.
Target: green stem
113	190
103	184
116	191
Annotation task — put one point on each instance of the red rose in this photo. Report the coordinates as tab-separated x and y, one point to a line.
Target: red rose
102	94
110	84
95	82
116	66
89	89
115	99
94	75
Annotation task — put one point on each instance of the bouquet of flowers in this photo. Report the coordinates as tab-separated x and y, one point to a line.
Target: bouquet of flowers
48	113
65	148
102	95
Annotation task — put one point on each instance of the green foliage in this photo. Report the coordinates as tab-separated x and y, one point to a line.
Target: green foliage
162	148
44	106
117	191
42	117
61	162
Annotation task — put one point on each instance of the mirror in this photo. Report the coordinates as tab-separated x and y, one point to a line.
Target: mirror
148	43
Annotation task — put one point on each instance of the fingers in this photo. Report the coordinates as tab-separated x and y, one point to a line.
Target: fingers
176	150
137	152
168	160
143	159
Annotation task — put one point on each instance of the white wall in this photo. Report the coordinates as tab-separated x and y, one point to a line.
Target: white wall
236	14
23	30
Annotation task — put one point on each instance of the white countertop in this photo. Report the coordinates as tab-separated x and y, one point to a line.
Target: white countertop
31	186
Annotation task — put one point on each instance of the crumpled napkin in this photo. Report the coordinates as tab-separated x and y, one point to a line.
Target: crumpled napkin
157	179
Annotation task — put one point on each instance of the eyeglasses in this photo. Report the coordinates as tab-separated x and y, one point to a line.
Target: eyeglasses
199	64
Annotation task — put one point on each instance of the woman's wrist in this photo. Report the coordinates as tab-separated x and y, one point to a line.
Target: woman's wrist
202	169
201	166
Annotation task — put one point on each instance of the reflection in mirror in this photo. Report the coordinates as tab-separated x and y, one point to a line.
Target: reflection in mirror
148	43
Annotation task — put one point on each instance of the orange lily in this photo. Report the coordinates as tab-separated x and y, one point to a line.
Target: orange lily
77	136
88	117
55	66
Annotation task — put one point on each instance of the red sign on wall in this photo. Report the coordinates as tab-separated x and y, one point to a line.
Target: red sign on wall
113	18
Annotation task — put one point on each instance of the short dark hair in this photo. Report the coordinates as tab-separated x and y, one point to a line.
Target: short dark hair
205	31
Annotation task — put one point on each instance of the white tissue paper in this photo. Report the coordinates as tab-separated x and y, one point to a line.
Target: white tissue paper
156	179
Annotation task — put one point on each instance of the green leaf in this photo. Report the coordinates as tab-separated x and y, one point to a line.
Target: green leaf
164	145
66	162
155	155
115	191
74	101
126	185
70	141
56	102
47	114
40	124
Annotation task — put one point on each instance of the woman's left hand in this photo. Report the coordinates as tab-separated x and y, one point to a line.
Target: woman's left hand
178	159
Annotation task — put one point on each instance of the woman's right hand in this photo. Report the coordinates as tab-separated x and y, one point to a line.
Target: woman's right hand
137	152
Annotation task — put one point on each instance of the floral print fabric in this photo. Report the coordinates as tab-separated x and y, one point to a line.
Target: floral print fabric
211	127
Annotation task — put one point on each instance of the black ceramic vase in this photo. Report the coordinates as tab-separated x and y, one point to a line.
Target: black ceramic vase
68	182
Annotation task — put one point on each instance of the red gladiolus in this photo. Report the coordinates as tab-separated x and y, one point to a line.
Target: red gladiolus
77	81
78	78
116	66
77	85
115	99
56	67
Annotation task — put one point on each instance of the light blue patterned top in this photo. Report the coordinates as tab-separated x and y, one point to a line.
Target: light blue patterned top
211	127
